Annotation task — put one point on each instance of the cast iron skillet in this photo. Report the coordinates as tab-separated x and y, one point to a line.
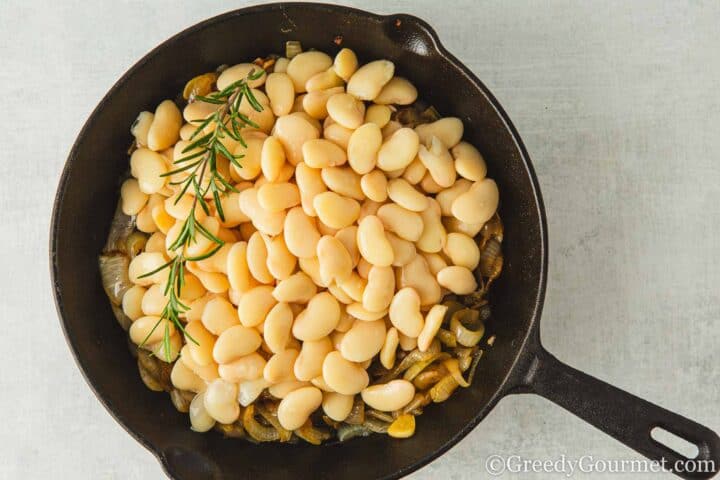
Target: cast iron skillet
518	363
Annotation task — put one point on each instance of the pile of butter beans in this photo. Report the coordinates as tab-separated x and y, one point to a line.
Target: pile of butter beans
346	231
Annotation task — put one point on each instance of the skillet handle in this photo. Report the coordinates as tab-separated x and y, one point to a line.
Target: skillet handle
624	416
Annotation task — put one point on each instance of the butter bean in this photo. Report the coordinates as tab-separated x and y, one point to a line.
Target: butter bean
239	72
185	379
297	288
398	91
293	131
279	368
143	264
238	270
154	301
358	311
414	172
335	210
338	134
448	196
315	103
378	114
280	262
353	286
363	148
478	204
363	341
337	406
398	150
433	320
324	81
429	185
305	65
256	258
343	376
374	186
269	223
458	280
132	302
308	364
148	166
321	153
433	236
281	92
345	64
255	304
407	344
250	390
403	251
251	166
249	367
469	163
277	326
295	409
449	130
310	184
133	199
311	266
281	65
439	162
389	348
339	294
335	260
346	110
348	237
219	315
283	389
343	181
405	312
462	250
301	236
367	82
207	372
165	128
276	197
416	274
221	401
235	342
405	195
141	126
363	268
272	158
435	262
149	329
390	396
379	290
372	242
401	221
319	318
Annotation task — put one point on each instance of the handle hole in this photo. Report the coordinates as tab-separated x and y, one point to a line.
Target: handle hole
675	443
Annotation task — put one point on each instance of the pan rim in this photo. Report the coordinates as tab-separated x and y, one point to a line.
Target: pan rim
533	325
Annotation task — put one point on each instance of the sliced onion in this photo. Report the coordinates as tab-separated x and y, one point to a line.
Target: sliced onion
269	413
257	431
473	366
418	367
357	414
120	229
446	337
442	390
114	276
453	367
292	48
250	390
465	336
346	432
311	434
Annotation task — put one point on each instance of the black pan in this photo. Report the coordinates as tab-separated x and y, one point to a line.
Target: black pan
518	363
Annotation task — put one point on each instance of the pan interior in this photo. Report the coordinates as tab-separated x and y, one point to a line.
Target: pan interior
89	192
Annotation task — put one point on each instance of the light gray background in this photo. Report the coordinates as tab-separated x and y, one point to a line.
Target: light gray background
618	103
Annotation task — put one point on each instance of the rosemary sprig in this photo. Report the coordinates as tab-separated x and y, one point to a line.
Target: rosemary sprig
200	161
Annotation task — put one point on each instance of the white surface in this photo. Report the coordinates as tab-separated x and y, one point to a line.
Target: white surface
618	105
